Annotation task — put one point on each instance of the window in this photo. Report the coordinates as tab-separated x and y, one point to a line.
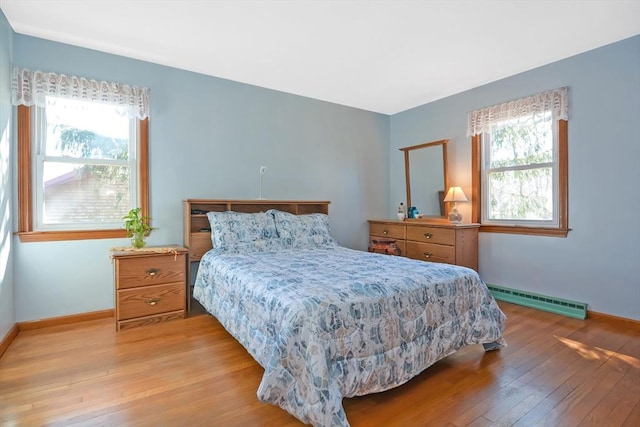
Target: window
85	169
520	165
82	157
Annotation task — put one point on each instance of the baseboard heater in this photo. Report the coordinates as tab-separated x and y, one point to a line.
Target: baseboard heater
577	310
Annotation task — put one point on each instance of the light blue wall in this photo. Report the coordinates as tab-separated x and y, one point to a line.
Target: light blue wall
7	312
208	138
599	262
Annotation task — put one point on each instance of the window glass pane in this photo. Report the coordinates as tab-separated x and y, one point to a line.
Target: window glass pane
521	195
81	129
523	141
81	194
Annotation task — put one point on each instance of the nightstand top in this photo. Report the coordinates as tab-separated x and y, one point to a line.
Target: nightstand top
127	251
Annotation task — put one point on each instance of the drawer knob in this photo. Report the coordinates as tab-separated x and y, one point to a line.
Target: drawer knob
385	232
153	271
428	235
427	254
152	301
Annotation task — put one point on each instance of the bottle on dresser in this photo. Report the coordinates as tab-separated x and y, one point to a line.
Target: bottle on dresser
401	213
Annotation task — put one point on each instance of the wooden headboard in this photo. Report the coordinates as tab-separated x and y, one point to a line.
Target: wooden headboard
197	231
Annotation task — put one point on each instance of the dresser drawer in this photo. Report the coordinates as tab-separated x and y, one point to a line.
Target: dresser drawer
431	252
150	300
441	236
400	244
149	270
394	231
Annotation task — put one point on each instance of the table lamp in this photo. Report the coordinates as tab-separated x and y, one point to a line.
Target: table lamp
455	194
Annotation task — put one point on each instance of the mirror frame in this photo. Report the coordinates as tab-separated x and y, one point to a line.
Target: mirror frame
407	175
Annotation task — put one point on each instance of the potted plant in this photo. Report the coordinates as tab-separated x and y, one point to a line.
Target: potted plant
137	227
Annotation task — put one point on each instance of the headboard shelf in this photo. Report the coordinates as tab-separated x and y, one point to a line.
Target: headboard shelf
196	231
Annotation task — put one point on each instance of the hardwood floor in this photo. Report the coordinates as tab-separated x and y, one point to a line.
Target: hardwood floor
555	371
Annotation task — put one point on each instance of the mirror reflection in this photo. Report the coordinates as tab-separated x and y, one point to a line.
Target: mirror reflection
426	177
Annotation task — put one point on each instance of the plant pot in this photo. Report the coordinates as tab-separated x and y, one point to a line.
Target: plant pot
138	241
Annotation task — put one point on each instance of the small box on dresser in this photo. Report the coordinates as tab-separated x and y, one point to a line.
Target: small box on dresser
150	285
431	240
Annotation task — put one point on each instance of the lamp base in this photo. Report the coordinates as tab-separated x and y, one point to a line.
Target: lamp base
455	217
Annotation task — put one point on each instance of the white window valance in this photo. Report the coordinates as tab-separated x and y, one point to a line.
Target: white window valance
488	118
31	87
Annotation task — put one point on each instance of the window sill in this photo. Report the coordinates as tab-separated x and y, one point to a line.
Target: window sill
532	231
53	236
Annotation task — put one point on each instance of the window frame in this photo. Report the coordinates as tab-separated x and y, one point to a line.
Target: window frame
562	166
26	219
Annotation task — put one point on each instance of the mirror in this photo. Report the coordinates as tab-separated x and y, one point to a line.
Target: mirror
425	168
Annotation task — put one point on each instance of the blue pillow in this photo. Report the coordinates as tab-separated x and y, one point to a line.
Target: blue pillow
230	228
310	230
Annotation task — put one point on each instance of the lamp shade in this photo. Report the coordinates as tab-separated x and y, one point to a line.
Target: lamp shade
455	194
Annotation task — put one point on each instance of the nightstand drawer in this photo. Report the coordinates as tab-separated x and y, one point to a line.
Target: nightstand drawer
392	231
150	270
150	300
150	320
431	252
441	236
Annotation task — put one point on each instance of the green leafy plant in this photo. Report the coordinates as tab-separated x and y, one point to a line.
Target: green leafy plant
137	227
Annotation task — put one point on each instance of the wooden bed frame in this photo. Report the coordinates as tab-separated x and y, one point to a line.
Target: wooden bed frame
197	231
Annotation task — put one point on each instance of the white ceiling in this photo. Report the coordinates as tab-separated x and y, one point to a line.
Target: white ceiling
382	56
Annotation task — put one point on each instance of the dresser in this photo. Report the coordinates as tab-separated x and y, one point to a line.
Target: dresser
150	285
437	241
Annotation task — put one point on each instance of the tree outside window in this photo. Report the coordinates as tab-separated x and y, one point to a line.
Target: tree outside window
519	171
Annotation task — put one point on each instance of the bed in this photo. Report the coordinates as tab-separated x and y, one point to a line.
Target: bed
327	322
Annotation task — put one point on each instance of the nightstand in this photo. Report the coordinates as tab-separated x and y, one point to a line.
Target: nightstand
150	285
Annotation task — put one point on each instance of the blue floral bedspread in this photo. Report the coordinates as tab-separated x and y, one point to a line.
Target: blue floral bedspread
331	322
